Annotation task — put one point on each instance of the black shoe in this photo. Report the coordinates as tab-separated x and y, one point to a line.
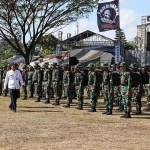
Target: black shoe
107	110
10	108
56	102
46	102
123	116
30	96
38	100
66	106
128	115
92	109
5	95
24	98
110	112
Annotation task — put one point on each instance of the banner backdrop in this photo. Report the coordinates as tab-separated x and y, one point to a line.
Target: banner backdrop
117	53
58	52
108	16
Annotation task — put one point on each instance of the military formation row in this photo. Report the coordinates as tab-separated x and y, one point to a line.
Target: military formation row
118	84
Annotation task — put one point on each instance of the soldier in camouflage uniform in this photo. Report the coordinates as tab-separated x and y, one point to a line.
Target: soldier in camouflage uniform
107	89
46	83
136	88
1	79
30	81
92	87
126	84
55	83
146	84
37	82
25	80
66	84
79	86
4	75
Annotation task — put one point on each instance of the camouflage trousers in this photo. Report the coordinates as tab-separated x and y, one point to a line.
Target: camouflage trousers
146	89
126	99
79	92
56	89
38	90
67	93
93	96
137	95
46	89
108	98
31	88
117	95
25	90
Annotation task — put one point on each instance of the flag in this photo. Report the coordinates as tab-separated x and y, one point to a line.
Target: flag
108	16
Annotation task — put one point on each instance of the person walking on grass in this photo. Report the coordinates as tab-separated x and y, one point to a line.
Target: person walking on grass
13	79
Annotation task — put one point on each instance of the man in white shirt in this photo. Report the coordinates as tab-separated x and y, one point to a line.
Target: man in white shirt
13	79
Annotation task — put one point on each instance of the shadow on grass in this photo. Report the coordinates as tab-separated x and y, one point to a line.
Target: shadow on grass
34	107
37	111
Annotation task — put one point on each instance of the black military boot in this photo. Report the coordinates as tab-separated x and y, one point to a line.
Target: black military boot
107	110
110	112
31	96
147	108
25	98
67	105
121	107
47	101
123	116
81	107
38	99
93	109
56	102
138	110
128	115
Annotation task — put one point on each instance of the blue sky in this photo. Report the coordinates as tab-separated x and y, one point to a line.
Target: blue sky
131	12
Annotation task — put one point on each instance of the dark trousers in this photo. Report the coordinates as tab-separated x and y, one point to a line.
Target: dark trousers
13	95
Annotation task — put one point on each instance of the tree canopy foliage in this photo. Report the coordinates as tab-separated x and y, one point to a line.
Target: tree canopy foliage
24	22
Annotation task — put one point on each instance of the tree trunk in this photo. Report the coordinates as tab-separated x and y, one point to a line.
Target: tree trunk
27	61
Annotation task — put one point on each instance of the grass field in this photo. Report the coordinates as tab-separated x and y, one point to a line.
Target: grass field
38	126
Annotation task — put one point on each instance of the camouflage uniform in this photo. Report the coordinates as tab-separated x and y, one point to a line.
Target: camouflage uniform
25	80
126	84
46	83
30	81
1	79
79	87
92	87
136	88
56	83
146	84
66	84
107	89
37	82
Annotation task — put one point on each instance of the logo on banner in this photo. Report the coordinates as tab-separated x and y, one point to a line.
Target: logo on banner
117	53
108	13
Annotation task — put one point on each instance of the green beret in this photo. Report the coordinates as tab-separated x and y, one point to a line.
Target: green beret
144	66
54	64
133	66
123	64
91	65
46	64
104	65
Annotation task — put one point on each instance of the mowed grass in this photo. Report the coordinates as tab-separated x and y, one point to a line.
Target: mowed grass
39	126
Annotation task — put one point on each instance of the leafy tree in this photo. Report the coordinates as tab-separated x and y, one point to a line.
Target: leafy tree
24	22
121	39
130	45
